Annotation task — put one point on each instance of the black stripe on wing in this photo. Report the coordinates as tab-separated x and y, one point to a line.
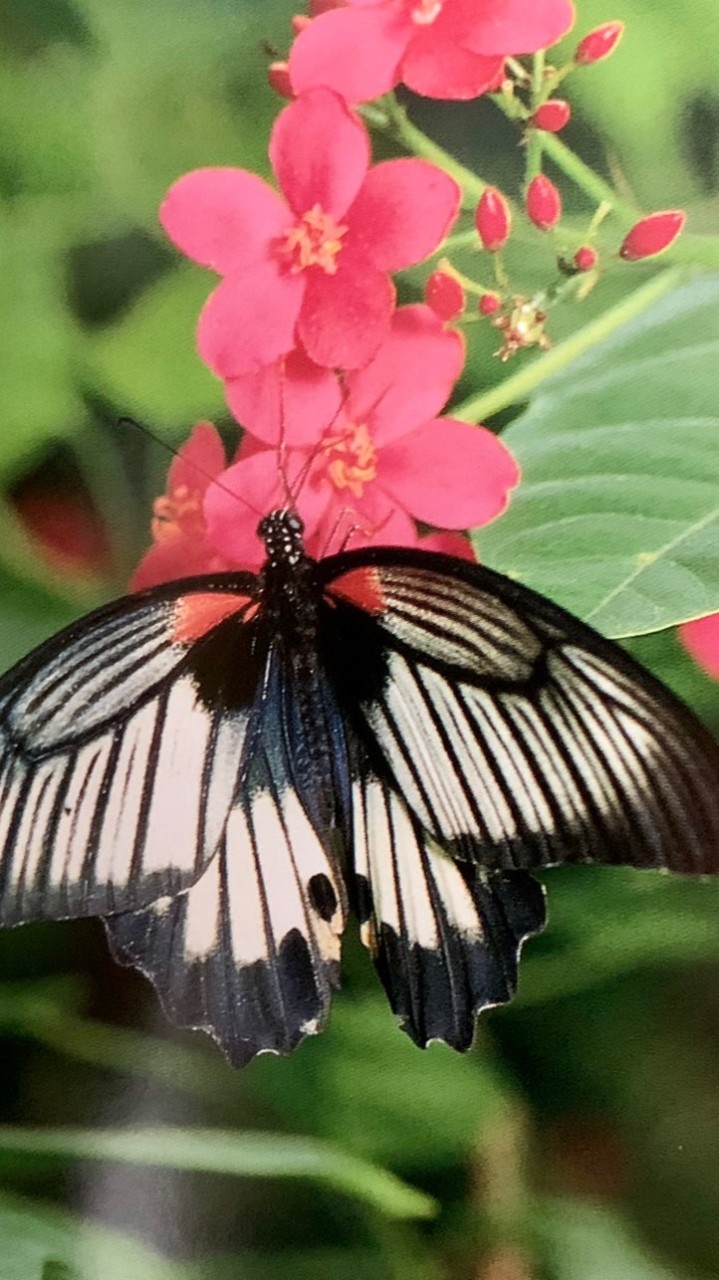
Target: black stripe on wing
251	952
517	735
120	746
445	937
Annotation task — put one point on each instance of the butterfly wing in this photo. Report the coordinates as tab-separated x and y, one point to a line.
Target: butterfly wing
120	745
445	936
251	952
516	735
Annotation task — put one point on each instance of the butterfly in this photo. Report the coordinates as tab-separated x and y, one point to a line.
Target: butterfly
221	767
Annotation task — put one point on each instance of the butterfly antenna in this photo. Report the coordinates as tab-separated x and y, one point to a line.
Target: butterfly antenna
306	467
176	452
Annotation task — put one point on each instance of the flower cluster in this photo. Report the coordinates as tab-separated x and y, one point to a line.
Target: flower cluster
338	391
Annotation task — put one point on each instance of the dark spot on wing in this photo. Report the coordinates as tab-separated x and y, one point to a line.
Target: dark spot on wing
322	896
226	666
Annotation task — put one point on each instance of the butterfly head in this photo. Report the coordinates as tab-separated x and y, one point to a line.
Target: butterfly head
281	531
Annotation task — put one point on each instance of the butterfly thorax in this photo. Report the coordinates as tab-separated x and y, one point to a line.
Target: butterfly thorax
289	589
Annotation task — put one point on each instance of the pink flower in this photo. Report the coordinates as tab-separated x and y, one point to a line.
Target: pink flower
180	547
313	263
439	48
364	458
701	639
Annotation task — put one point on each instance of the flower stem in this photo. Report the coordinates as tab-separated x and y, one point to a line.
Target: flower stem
519	386
398	124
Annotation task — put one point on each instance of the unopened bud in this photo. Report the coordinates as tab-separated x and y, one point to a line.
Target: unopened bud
599	43
445	295
278	78
585	258
489	303
543	203
652	235
493	219
552	115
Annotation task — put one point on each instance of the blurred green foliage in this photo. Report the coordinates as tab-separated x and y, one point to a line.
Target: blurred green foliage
579	1140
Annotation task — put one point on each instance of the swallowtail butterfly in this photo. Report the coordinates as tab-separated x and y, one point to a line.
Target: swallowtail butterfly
220	767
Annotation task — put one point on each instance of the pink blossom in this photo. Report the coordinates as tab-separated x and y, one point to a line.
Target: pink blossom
365	458
313	263
701	639
180	547
439	48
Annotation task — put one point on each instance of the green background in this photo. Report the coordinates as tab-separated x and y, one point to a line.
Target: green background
579	1140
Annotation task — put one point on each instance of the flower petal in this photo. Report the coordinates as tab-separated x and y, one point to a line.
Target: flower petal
291	402
355	53
182	557
374	520
410	378
249	320
199	460
450	474
440	68
320	152
223	218
449	544
235	505
701	639
512	26
404	210
344	318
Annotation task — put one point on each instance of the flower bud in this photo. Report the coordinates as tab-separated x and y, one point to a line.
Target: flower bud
278	78
585	258
493	219
489	303
652	235
599	43
552	115
544	203
445	295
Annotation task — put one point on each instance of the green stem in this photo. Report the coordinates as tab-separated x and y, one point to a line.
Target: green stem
401	127
535	137
519	387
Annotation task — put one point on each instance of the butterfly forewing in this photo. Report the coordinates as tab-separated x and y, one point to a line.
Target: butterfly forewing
118	757
517	736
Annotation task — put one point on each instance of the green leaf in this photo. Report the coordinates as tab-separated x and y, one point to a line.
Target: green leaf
40	1242
246	1155
591	1242
605	921
617	515
147	362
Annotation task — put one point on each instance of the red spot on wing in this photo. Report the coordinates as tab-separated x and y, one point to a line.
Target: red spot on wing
194	616
361	587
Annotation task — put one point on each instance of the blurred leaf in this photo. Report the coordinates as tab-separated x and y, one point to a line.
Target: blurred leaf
366	1080
591	1242
617	515
28	616
247	1155
147	361
40	1242
607	921
38	397
662	653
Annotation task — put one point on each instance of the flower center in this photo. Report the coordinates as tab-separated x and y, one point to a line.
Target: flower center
177	513
314	241
351	458
424	12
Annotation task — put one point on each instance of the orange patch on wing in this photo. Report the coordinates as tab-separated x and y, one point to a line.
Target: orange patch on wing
195	616
361	587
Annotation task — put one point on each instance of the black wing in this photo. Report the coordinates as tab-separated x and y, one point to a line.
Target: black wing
250	953
516	735
120	746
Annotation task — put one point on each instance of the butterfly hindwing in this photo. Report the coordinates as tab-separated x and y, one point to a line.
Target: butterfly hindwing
445	937
118	755
251	952
517	736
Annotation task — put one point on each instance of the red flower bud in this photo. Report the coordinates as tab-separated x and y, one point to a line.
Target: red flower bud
544	203
652	235
552	115
278	78
493	219
599	43
445	295
489	303
585	258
